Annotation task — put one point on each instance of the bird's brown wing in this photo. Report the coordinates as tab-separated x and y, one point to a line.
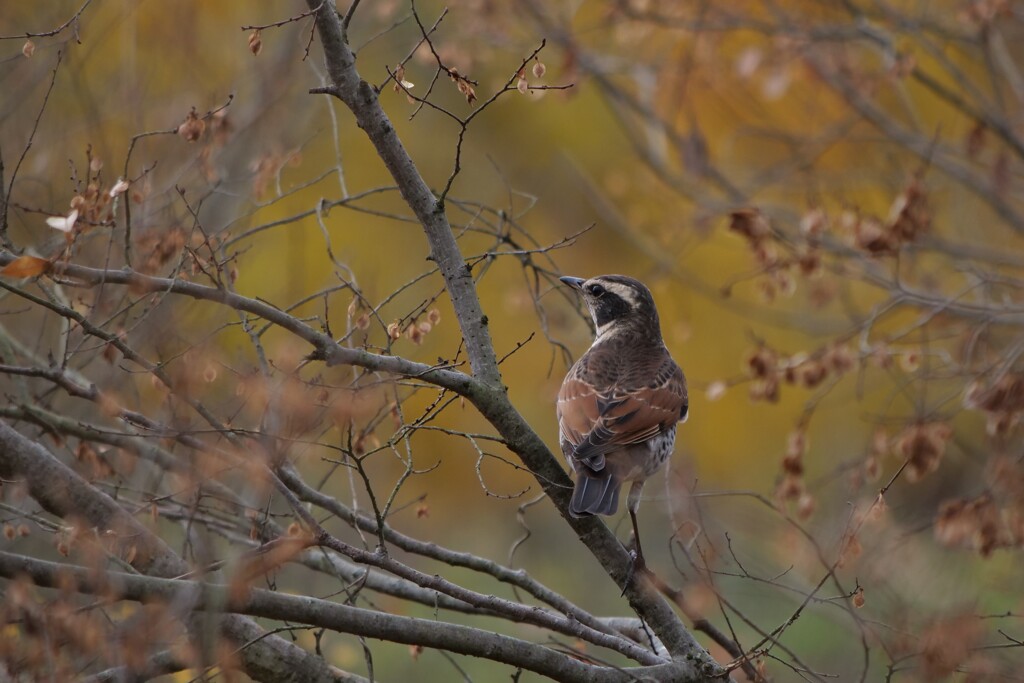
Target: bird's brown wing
596	417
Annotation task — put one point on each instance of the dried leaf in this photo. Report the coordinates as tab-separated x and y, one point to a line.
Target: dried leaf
120	187
255	42
750	223
29	48
922	445
748	61
400	81
191	129
26	266
463	84
805	505
716	390
63	223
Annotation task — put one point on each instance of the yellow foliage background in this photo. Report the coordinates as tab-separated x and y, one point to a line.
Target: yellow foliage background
557	162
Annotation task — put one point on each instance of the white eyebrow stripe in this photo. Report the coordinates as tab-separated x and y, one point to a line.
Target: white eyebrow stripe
623	291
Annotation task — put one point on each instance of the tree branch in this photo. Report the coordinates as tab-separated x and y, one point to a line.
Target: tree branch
63	493
362	100
341	618
325	347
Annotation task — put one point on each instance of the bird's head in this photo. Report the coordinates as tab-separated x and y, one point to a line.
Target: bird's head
618	303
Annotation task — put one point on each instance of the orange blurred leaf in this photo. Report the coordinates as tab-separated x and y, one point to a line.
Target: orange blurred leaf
26	266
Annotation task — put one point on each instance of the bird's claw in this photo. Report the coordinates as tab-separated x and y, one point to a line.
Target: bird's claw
637	566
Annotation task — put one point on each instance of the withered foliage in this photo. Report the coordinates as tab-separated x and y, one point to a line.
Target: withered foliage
463	84
59	632
979	524
193	127
922	447
768	369
947	645
868	186
991	521
158	248
1002	401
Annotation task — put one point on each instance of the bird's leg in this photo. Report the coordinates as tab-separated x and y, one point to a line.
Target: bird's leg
637	564
638	555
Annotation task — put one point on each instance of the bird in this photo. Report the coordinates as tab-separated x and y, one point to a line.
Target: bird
620	403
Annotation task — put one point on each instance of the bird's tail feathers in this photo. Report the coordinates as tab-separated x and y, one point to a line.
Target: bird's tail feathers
596	493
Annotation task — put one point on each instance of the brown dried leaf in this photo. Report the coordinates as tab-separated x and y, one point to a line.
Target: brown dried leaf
463	84
978	524
762	362
191	129
813	223
26	266
922	445
871	236
29	48
750	223
947	643
1005	395
909	215
255	42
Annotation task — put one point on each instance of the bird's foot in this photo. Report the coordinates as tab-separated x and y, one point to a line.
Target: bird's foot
637	568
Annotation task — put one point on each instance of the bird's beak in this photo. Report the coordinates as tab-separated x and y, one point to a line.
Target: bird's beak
574	282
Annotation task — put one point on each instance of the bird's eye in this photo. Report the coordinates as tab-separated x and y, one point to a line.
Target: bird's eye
595	290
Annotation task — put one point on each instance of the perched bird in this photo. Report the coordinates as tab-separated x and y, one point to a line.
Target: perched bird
619	405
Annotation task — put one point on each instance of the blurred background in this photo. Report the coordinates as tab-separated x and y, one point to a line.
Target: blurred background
825	199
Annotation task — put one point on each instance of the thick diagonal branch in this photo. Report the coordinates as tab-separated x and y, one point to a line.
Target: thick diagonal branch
361	99
488	394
